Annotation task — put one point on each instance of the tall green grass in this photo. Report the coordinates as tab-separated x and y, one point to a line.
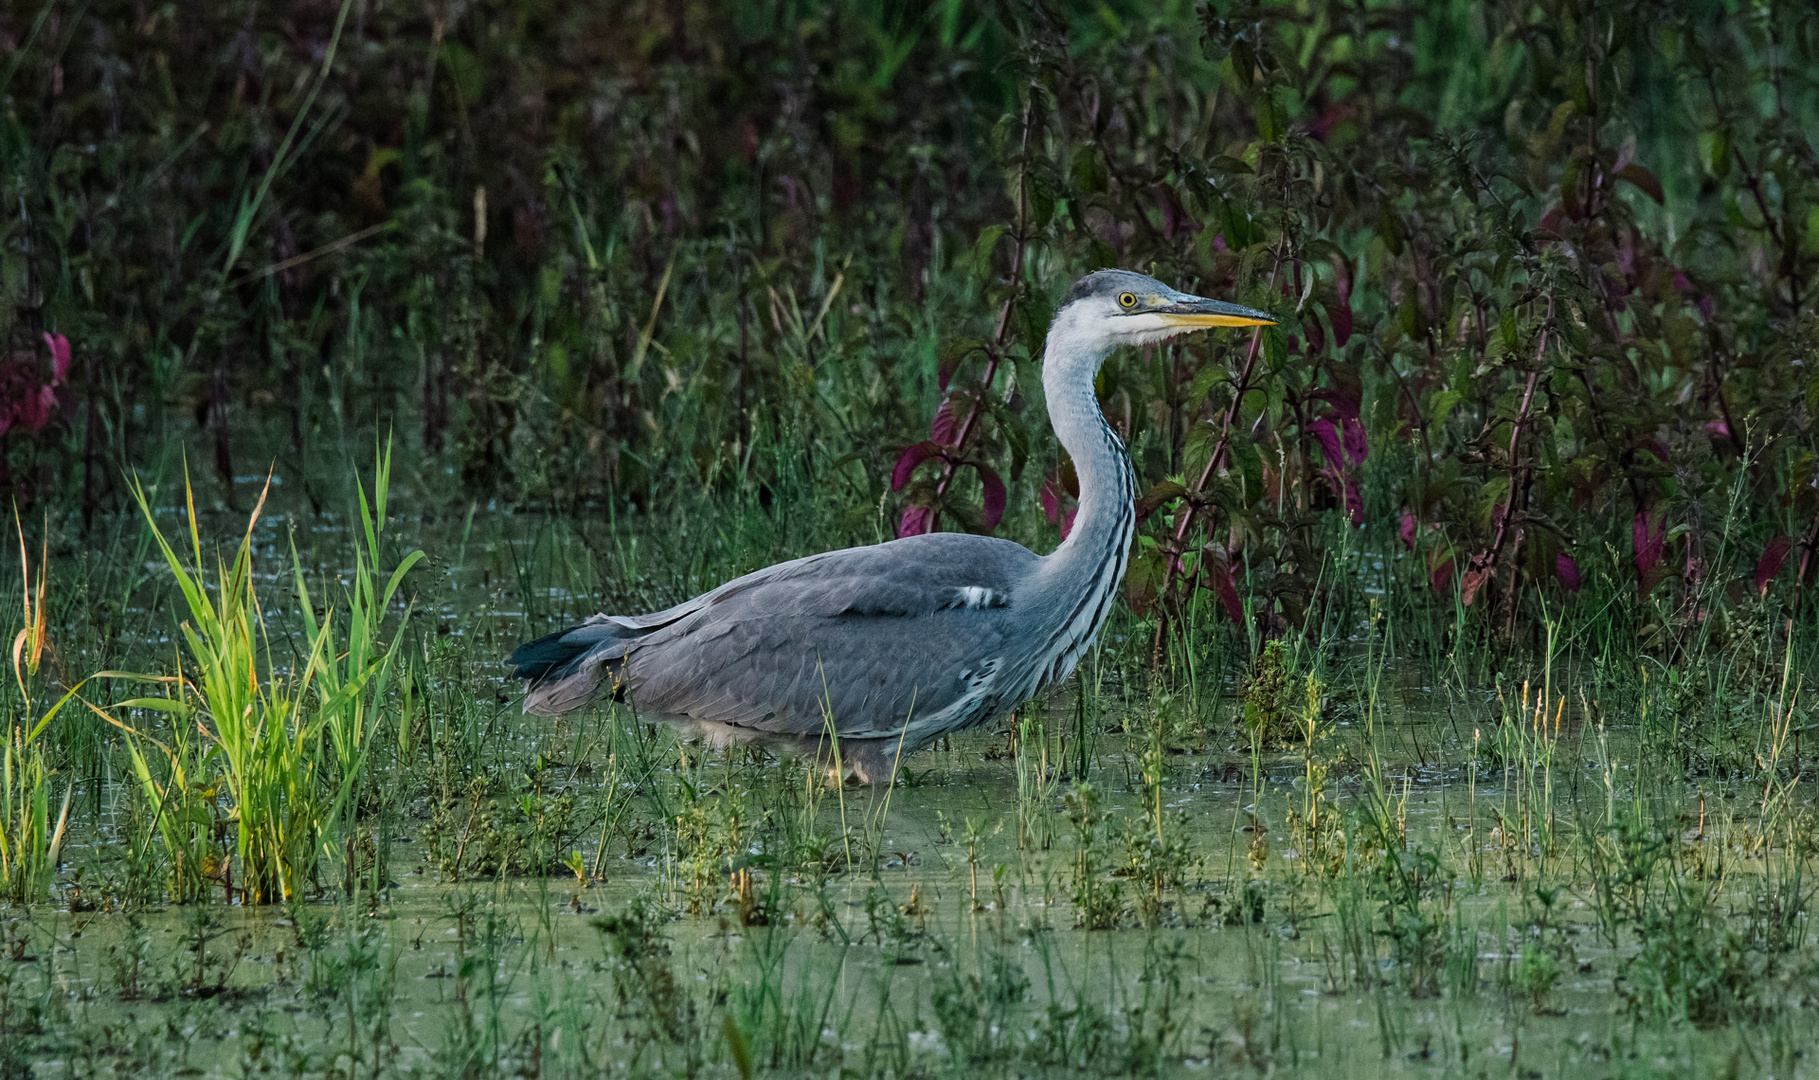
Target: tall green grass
29	842
353	666
274	754
260	741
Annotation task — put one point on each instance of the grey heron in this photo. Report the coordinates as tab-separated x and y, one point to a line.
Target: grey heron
869	653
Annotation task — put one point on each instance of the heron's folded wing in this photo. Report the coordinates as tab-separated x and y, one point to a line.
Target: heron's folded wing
869	639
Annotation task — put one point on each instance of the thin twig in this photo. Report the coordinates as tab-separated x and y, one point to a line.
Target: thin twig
1486	561
326	249
951	465
1192	510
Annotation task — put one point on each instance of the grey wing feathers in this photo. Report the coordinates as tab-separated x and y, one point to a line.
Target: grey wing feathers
870	637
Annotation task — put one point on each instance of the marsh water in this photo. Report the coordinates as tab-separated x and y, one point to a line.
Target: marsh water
973	947
1410	872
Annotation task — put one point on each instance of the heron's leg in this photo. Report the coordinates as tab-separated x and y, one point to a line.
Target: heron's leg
869	761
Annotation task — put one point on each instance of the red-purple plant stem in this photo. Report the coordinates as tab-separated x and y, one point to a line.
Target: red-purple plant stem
1489	558
1518	481
1173	569
1206	477
1509	499
1806	565
89	500
951	465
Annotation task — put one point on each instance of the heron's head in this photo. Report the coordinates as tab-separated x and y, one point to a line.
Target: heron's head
1108	308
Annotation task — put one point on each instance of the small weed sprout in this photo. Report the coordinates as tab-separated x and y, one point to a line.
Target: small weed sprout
1269	711
1315	823
1098	900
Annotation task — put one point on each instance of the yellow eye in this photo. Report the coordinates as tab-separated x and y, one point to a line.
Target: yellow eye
1128	300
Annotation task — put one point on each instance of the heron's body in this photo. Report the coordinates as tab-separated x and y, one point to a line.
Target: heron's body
890	646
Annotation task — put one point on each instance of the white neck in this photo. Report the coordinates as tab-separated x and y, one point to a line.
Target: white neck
1075	586
1107	486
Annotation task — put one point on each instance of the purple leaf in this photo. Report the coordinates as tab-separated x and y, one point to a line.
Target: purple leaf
1643	179
1650	540
1771	561
1407	530
1344	404
1067	521
1327	436
1471	583
916	521
1440	572
1355	449
59	346
994	496
1354	501
1340	315
1051	495
1175	219
906	464
946	424
1567	570
1225	586
33	409
944	372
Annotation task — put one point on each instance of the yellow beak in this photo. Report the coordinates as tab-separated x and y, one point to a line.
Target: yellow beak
1196	311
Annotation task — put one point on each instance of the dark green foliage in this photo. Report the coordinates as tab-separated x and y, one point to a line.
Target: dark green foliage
1546	273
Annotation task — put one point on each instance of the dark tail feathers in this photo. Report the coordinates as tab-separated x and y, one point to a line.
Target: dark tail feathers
566	669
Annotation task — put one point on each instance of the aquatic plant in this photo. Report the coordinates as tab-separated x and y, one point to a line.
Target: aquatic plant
353	669
29	839
261	740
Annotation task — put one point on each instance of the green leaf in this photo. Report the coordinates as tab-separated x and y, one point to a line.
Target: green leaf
1040	195
1443	403
1250	467
465	72
1715	152
1410	315
1208	377
156	704
1275	348
982	250
1087	171
1556	124
1389	227
1239	233
1569	188
1244	62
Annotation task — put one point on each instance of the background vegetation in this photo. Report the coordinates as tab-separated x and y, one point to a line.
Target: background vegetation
1545	270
